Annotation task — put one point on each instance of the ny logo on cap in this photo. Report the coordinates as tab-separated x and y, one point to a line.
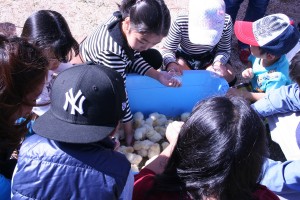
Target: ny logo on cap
70	99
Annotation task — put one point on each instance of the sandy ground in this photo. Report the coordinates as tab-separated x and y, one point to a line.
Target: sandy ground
83	16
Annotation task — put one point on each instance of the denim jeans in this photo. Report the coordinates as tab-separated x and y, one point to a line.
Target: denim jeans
256	9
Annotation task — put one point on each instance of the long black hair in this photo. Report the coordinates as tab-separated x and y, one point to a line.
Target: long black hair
48	29
147	16
219	153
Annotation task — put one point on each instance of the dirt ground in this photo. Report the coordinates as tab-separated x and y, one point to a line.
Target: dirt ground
83	16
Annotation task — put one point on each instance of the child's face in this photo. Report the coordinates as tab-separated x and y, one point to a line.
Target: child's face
28	102
255	51
53	61
142	41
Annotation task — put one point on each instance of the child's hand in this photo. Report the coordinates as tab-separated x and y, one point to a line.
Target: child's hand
175	67
218	68
172	131
248	73
169	79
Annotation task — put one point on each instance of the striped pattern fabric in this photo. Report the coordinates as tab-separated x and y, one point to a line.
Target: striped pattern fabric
178	37
101	48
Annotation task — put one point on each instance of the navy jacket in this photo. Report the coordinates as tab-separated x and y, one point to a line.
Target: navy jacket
51	170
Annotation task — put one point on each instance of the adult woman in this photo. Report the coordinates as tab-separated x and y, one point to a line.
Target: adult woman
219	155
23	73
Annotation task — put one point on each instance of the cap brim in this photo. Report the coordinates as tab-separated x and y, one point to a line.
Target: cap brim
51	127
244	32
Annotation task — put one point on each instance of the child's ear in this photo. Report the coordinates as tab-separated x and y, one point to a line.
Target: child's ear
271	56
126	24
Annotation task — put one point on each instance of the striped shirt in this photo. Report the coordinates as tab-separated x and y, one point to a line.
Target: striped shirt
107	46
178	37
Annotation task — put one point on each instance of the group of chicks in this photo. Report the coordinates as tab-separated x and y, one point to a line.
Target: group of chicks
150	138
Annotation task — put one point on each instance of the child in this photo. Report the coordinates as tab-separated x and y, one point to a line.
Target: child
284	99
72	154
23	70
270	38
49	31
255	10
200	40
119	43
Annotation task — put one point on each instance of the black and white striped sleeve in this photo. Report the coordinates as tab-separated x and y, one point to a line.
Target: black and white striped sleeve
171	43
100	48
223	50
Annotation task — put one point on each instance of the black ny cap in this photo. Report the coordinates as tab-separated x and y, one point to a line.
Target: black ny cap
87	102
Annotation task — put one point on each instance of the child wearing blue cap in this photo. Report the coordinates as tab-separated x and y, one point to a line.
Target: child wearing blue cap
270	38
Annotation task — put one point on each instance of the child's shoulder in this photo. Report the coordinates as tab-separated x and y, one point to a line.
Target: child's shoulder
184	18
282	61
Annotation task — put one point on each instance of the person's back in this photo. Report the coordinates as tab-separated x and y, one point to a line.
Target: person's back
68	171
218	155
72	156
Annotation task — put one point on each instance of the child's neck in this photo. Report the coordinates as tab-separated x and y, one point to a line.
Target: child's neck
267	62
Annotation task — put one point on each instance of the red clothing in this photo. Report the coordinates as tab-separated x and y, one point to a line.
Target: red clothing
143	182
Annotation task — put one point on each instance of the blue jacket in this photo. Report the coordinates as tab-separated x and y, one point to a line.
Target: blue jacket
283	178
282	100
51	170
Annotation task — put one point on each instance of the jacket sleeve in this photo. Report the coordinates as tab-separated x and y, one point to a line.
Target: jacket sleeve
282	176
128	188
282	100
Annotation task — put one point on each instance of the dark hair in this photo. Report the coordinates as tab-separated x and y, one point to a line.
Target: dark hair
147	16
220	152
295	69
262	50
8	29
23	68
48	29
